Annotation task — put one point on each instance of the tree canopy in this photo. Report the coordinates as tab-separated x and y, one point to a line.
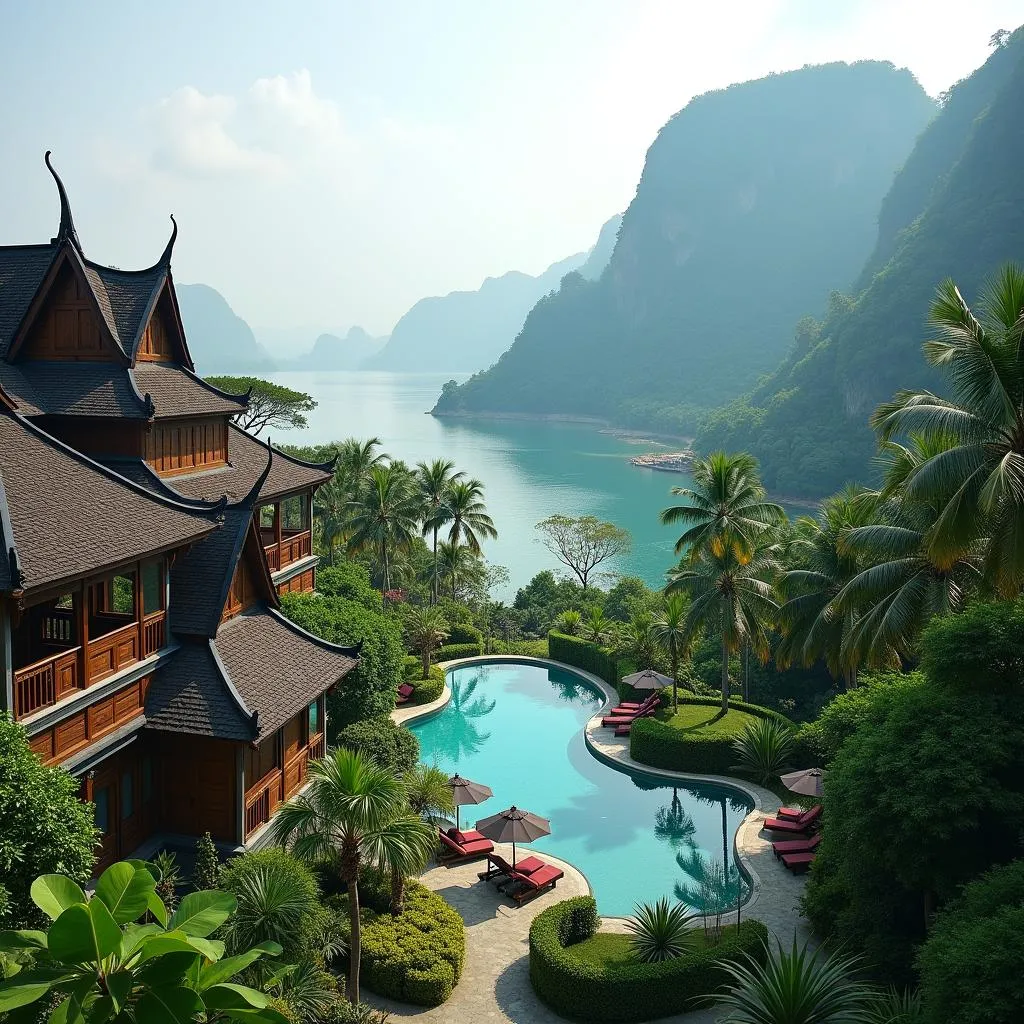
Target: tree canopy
582	543
270	405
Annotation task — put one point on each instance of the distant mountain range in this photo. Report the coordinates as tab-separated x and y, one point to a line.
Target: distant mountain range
220	341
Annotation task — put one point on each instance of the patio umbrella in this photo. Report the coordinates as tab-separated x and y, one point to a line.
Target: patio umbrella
647	680
514	826
808	781
466	792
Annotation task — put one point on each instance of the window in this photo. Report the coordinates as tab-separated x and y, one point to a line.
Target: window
152	587
267	517
295	512
147	779
65	602
314	718
101	799
127	795
122	595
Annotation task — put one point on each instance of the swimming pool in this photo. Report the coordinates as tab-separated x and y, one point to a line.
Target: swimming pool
519	728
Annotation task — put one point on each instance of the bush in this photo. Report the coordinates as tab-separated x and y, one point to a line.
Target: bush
207	866
426	690
46	829
584	654
450	652
524	648
390	745
369	689
628	990
465	633
416	957
972	965
350	580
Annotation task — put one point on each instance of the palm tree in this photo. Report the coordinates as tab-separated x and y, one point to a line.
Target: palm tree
435	480
669	630
596	624
428	790
350	800
977	480
469	518
384	517
809	622
333	513
356	458
638	640
725	502
402	848
731	593
427	630
455	562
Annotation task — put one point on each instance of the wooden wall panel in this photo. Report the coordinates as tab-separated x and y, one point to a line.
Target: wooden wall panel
304	583
67	326
198	787
183	446
156	343
242	592
97	437
123	782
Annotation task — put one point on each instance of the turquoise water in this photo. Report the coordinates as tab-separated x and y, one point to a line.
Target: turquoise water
518	728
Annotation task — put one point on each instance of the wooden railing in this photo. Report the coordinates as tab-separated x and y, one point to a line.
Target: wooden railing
261	801
273	556
154	633
58	626
44	682
317	747
112	652
298	545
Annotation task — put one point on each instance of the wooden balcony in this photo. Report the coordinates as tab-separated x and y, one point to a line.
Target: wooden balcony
279	785
293	548
46	681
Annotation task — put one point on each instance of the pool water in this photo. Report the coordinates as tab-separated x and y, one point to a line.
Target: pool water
518	728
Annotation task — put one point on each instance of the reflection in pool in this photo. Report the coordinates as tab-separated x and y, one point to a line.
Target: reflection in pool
518	728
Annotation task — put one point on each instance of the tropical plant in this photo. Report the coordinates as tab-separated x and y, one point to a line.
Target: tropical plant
355	460
730	594
672	824
98	963
349	800
469	520
977	478
456	564
596	625
428	791
669	631
712	888
895	1006
168	878
637	640
763	749
427	630
333	513
402	847
660	931
570	622
795	987
207	866
435	483
724	506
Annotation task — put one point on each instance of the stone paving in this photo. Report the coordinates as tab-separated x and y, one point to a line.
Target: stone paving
495	984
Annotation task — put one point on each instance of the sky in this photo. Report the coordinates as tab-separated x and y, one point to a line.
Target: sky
329	163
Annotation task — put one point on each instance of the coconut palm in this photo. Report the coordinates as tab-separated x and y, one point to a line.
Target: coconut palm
435	482
427	630
669	632
356	458
726	502
428	790
402	847
350	799
384	517
333	513
456	563
977	480
469	519
795	987
660	931
730	594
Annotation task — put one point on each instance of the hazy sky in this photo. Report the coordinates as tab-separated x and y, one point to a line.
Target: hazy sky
330	163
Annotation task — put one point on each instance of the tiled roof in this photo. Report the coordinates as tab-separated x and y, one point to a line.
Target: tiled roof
178	392
68	388
247	458
277	668
22	269
71	517
125	297
189	694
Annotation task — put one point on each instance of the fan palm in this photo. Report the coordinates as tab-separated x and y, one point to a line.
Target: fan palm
596	625
725	501
977	480
349	800
428	790
427	630
384	517
731	595
469	518
669	631
402	847
435	482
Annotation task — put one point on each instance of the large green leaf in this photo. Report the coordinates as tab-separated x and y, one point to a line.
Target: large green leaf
71	939
125	891
53	894
119	987
168	1006
69	1012
24	938
16	992
201	913
167	970
158	945
224	970
233	997
212	949
156	907
134	935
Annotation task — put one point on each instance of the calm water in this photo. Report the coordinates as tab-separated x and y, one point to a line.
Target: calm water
530	469
519	730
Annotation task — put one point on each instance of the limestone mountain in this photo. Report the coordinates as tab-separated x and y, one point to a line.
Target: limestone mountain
754	203
339	352
220	341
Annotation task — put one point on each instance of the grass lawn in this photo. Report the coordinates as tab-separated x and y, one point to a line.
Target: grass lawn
704	721
605	949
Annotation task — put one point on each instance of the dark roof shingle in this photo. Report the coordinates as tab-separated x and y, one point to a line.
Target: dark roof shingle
22	269
178	392
68	388
125	296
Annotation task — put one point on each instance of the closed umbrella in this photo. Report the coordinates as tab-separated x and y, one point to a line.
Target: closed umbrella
647	680
514	826
466	792
808	781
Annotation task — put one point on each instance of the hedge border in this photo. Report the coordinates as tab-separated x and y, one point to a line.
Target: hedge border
630	991
585	655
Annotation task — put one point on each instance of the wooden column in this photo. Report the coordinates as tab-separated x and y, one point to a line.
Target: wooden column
139	613
278	527
82	597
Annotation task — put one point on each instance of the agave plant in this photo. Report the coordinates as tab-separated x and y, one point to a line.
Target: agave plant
895	1007
763	749
796	987
661	931
569	622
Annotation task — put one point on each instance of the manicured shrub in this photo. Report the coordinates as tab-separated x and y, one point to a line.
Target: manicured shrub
426	690
464	633
628	990
350	580
523	648
586	655
46	830
578	921
450	652
972	964
390	745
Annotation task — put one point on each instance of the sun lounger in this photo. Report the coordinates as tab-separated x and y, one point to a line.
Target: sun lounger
405	692
499	867
804	823
611	720
453	852
527	886
797	862
632	709
796	845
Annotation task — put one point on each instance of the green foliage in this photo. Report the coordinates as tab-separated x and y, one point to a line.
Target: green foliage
98	962
452	651
429	689
45	827
620	988
206	872
427	790
465	633
583	543
390	745
972	964
524	648
569	623
629	596
586	655
660	931
370	688
167	872
351	580
270	404
763	749
545	597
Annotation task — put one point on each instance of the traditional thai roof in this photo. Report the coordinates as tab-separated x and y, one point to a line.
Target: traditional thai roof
22	269
42	387
176	391
66	516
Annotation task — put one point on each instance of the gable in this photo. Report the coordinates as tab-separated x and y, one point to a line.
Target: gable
250	581
161	337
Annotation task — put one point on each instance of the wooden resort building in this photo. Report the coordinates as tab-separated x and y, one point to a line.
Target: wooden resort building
144	542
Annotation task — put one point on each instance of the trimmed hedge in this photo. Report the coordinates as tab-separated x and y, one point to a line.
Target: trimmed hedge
630	990
426	690
464	633
452	651
417	957
584	654
654	742
390	745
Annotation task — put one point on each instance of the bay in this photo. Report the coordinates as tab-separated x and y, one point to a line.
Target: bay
530	469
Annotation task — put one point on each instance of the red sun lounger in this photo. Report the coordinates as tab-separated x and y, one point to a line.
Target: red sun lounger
405	691
453	852
796	845
499	867
631	708
797	862
802	824
611	720
533	884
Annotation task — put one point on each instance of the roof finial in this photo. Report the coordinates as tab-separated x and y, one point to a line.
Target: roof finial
166	257
67	223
